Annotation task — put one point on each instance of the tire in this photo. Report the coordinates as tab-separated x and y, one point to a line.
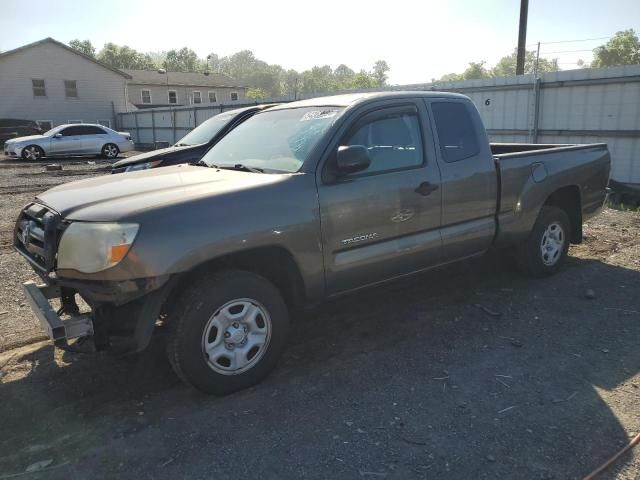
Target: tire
204	344
544	252
32	153
110	151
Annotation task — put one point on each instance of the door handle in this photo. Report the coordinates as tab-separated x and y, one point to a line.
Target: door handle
426	188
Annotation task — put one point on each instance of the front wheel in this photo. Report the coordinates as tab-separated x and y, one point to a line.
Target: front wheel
110	151
545	250
227	332
32	152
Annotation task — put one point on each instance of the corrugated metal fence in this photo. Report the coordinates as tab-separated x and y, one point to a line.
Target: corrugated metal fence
576	106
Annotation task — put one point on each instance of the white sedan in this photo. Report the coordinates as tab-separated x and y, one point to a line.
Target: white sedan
68	140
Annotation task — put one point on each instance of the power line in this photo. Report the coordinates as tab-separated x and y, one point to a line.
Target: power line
567	51
571	41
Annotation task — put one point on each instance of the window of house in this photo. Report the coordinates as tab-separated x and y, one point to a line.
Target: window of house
393	139
105	122
197	97
39	89
212	97
70	89
456	133
173	96
45	125
234	96
146	96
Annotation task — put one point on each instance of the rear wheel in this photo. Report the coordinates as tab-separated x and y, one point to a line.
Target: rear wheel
110	150
32	152
227	332
545	250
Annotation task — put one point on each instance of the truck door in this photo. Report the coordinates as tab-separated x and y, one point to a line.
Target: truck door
385	221
469	179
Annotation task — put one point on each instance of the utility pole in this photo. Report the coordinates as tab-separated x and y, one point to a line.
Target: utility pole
537	61
522	37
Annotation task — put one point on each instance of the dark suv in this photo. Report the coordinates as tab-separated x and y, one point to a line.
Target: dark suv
13	127
191	147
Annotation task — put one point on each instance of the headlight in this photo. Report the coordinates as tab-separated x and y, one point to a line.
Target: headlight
143	166
93	247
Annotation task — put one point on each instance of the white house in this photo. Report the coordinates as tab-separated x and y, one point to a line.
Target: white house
52	83
159	88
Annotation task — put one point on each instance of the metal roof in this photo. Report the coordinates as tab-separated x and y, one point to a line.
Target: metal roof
191	79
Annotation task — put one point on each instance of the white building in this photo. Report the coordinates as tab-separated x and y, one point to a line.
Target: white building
52	83
159	88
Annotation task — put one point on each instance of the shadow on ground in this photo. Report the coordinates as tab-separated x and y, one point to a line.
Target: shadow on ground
411	380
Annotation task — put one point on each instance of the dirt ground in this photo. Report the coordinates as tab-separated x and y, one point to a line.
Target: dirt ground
466	372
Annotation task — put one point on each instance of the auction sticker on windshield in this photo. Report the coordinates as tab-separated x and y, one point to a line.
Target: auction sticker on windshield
316	114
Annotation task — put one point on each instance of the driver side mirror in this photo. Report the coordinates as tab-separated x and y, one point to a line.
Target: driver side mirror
57	135
352	158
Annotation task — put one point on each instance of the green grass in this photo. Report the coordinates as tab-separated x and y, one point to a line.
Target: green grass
623	207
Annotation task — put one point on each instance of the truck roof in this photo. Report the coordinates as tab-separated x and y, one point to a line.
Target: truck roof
350	99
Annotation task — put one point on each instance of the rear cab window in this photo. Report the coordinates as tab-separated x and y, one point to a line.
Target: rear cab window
457	136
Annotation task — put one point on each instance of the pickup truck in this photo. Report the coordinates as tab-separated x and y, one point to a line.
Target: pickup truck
300	203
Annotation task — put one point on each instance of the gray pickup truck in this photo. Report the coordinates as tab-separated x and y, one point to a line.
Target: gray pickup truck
303	202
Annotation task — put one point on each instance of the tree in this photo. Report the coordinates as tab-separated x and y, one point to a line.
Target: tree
380	69
125	57
476	71
450	77
157	58
183	60
290	83
319	80
257	93
264	80
506	66
364	80
213	62
83	46
622	49
344	76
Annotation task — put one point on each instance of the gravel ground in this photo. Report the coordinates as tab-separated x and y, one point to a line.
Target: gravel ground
417	379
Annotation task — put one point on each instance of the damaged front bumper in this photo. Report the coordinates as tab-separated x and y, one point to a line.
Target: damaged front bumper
58	330
121	319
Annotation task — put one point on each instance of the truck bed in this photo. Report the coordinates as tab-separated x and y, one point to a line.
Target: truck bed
508	148
529	173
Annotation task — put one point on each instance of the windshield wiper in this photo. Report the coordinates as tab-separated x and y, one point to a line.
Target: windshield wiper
241	167
202	163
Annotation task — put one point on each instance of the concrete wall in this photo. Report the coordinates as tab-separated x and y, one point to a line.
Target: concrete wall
160	93
100	91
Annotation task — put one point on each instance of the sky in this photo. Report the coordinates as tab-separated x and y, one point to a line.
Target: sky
420	40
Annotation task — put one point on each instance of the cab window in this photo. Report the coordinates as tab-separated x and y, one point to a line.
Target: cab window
456	134
393	140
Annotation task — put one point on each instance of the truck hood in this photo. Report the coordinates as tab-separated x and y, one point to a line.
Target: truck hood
153	154
117	197
29	138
